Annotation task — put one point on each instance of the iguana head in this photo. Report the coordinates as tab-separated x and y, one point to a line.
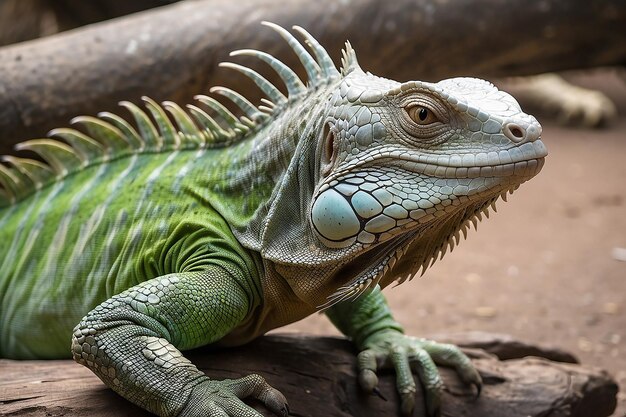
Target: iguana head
396	156
405	166
385	175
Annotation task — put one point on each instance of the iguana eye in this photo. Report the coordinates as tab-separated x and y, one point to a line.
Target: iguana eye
422	115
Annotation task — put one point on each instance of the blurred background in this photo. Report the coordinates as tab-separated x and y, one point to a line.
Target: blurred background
548	268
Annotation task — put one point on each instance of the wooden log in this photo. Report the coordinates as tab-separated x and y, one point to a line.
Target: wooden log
22	20
317	375
172	52
504	346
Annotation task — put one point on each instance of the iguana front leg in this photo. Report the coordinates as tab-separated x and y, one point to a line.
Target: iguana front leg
382	343
132	343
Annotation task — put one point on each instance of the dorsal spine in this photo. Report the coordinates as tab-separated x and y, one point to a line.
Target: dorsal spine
167	127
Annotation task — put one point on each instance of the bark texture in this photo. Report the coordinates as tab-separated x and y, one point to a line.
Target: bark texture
317	375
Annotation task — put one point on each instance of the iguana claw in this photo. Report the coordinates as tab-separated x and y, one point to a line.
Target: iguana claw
406	354
479	389
379	394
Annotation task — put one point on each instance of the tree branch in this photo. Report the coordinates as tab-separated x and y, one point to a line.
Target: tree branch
317	375
172	52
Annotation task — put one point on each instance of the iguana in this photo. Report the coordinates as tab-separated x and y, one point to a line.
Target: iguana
196	226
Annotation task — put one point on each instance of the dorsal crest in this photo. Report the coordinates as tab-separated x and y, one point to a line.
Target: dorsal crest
166	127
348	60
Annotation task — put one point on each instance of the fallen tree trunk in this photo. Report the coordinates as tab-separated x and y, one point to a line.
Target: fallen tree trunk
22	20
172	52
317	375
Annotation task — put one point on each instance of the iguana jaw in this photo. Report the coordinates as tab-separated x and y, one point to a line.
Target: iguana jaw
378	198
524	161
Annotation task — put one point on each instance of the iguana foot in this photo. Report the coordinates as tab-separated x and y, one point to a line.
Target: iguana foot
223	398
391	349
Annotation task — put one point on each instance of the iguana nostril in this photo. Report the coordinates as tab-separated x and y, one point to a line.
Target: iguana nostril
514	132
517	132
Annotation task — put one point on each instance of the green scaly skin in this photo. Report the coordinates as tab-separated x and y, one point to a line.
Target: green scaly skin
195	227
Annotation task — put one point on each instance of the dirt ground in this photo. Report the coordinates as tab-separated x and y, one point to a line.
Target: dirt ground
543	268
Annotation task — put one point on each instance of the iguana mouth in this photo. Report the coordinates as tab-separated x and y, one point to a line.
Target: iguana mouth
364	205
525	160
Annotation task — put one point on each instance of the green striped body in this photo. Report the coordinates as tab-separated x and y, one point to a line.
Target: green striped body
79	241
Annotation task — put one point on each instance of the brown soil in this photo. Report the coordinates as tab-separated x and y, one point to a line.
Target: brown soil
544	267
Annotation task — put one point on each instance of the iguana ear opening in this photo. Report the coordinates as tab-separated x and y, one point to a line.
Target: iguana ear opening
329	149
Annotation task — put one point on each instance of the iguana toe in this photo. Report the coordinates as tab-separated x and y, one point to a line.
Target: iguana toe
450	355
223	398
255	386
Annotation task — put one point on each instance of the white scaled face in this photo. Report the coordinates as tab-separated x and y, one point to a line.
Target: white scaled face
399	156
